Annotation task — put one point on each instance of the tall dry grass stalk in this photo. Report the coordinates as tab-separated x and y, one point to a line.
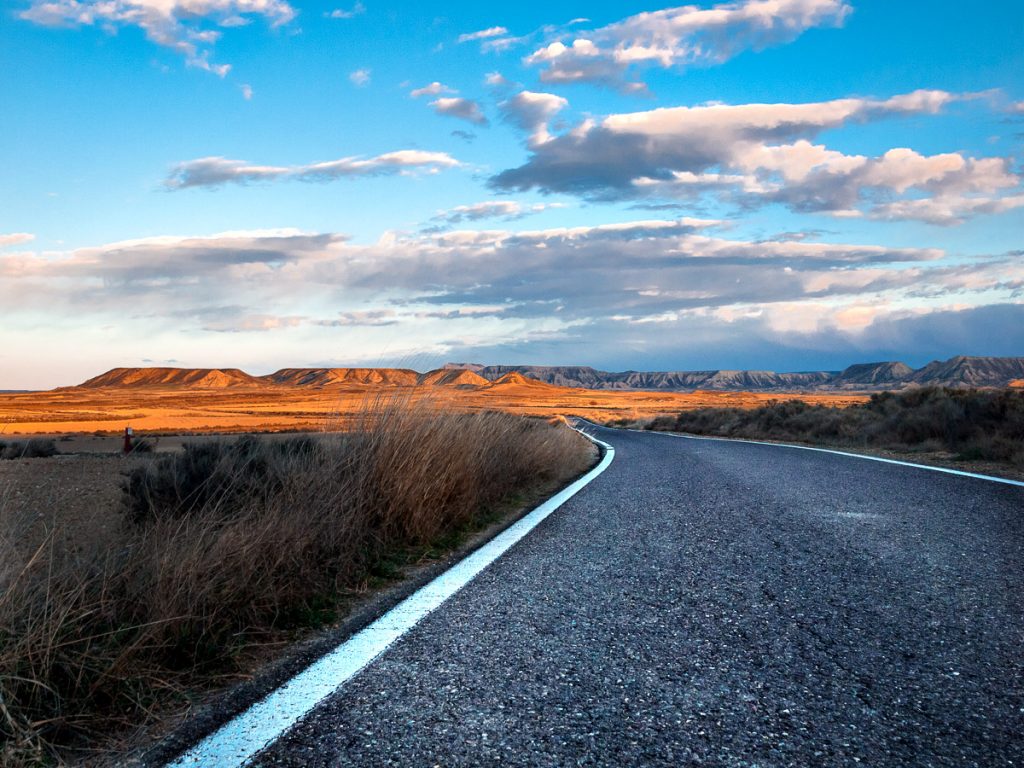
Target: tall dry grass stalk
228	546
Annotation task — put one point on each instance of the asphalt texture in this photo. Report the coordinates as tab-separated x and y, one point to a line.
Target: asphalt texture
715	603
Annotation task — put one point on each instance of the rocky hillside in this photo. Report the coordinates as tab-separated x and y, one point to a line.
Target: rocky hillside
970	371
862	374
452	377
197	378
311	378
325	377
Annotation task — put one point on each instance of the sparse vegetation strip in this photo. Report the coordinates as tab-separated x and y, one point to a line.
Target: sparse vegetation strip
970	425
235	544
33	448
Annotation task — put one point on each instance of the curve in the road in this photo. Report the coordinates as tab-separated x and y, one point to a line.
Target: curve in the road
721	604
717	603
884	460
238	740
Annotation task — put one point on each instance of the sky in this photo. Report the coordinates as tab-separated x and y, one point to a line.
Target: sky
765	184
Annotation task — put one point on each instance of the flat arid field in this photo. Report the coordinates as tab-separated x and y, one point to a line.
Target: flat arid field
314	399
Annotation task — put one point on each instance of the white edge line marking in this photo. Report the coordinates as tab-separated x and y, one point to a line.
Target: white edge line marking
945	470
240	739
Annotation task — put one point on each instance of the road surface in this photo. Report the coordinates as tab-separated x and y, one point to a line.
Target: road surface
715	603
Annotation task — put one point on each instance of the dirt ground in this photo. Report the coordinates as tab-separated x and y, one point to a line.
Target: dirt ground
65	494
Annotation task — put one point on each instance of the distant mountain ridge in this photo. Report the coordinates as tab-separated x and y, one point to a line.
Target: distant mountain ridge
961	371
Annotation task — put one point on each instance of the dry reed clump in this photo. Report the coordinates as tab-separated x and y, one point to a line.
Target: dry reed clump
233	543
973	424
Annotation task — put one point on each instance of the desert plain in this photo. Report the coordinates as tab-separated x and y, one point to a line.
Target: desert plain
212	401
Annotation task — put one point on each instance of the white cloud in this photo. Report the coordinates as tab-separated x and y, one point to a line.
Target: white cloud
532	112
497	80
755	154
946	210
500	44
341	13
681	36
433	89
483	34
360	77
15	238
509	210
216	171
463	109
253	323
246	90
362	318
174	24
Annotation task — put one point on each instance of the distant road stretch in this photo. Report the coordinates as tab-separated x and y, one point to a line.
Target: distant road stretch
724	602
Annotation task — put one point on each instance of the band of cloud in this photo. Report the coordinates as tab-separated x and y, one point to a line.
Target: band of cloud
217	171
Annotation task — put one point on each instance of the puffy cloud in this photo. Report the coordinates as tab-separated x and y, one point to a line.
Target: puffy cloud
463	109
15	238
174	24
360	77
609	156
760	153
216	171
681	36
483	34
957	187
433	89
246	90
532	112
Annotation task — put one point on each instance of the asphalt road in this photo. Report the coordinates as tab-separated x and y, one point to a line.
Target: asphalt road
715	603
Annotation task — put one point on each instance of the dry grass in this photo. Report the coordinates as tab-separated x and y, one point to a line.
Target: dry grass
233	548
970	425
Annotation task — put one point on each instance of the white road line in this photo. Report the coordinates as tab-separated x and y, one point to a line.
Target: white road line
239	740
944	470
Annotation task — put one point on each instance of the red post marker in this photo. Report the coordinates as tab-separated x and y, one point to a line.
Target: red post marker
128	439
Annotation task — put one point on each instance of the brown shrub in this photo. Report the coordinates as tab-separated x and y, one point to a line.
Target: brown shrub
209	561
33	448
973	424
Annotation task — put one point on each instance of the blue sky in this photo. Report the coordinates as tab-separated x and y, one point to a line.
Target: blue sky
785	184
